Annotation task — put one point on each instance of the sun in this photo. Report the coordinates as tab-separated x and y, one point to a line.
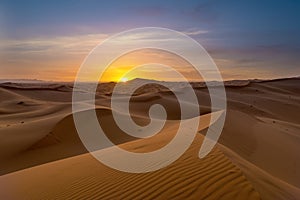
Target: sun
123	79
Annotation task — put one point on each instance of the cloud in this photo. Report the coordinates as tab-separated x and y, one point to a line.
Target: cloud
65	44
46	58
195	32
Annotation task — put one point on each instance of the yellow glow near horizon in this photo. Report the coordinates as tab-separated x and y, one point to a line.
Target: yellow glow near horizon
124	68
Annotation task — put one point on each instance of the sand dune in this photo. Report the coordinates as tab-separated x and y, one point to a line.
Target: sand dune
257	157
82	176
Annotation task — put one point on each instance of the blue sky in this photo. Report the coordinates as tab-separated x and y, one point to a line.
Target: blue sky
247	39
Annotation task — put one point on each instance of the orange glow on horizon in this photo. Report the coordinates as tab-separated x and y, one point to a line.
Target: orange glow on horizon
123	66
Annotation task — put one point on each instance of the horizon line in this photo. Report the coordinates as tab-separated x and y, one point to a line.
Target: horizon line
56	81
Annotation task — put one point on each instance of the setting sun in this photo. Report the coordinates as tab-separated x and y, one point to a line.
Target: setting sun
123	79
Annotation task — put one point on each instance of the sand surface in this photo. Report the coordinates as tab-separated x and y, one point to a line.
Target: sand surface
257	156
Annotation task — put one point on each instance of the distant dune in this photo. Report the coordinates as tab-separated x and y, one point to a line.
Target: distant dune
257	156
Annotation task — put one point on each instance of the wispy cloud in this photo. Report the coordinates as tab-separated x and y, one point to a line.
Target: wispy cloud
46	58
65	44
195	32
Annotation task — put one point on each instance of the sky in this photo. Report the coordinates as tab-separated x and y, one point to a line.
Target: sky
49	40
